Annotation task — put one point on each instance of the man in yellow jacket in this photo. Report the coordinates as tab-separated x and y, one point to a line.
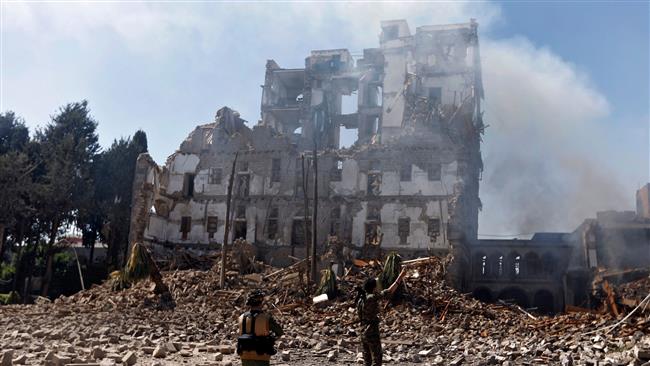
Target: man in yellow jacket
258	332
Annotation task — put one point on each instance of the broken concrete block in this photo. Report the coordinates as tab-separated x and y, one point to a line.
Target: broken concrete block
160	352
642	354
332	355
226	349
97	353
20	360
359	358
129	359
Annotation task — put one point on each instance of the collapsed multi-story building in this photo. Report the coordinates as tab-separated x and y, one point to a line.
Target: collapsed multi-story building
409	183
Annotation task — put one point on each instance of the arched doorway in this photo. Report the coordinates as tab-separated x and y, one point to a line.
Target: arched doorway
515	295
483	294
544	302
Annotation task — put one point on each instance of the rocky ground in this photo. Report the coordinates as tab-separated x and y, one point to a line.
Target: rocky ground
432	324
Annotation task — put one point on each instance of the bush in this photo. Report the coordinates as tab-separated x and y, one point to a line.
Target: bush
63	263
7	272
11	298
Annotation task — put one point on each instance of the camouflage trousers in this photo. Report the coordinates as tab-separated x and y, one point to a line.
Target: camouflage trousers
371	344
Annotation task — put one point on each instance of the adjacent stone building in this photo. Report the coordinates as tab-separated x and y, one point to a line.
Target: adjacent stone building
530	272
409	183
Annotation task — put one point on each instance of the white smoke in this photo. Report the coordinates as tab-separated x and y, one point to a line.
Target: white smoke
542	172
546	150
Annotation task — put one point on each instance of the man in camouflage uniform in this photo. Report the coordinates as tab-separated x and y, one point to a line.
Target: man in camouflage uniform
368	311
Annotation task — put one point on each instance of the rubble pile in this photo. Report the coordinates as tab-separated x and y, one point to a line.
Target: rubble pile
428	322
636	290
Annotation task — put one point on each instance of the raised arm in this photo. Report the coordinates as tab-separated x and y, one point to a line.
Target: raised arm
390	290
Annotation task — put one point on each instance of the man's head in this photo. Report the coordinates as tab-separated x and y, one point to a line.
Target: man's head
370	285
255	298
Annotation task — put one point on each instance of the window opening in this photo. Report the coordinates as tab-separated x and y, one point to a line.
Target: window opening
212	226
188	185
215	175
186	226
275	170
403	228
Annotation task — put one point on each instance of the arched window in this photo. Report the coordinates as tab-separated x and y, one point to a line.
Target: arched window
514	265
548	264
484	265
533	264
481	265
497	265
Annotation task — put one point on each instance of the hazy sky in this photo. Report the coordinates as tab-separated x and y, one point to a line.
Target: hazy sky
566	84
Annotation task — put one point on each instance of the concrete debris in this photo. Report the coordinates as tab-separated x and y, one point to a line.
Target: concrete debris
160	352
6	359
428	322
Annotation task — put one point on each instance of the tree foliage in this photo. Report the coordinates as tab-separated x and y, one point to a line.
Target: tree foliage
14	135
114	187
59	179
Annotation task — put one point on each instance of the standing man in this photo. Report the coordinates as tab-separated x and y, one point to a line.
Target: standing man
368	311
258	332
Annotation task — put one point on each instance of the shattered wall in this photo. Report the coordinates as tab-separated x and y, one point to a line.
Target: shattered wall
409	183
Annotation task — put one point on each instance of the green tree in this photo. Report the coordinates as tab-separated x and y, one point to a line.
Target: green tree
15	183
114	192
14	172
14	135
68	149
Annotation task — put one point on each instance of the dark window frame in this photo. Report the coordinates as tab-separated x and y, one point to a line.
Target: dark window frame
403	229
188	185
272	227
406	172
186	226
212	226
276	164
433	227
434	172
215	175
337	171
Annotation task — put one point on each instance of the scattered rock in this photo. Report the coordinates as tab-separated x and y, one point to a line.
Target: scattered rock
129	359
159	352
285	356
6	359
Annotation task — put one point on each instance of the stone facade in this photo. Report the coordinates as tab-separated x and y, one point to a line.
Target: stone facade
528	272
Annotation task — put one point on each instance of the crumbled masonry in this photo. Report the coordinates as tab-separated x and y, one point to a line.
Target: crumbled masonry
431	324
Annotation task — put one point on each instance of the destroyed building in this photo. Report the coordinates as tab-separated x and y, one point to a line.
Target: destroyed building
409	182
